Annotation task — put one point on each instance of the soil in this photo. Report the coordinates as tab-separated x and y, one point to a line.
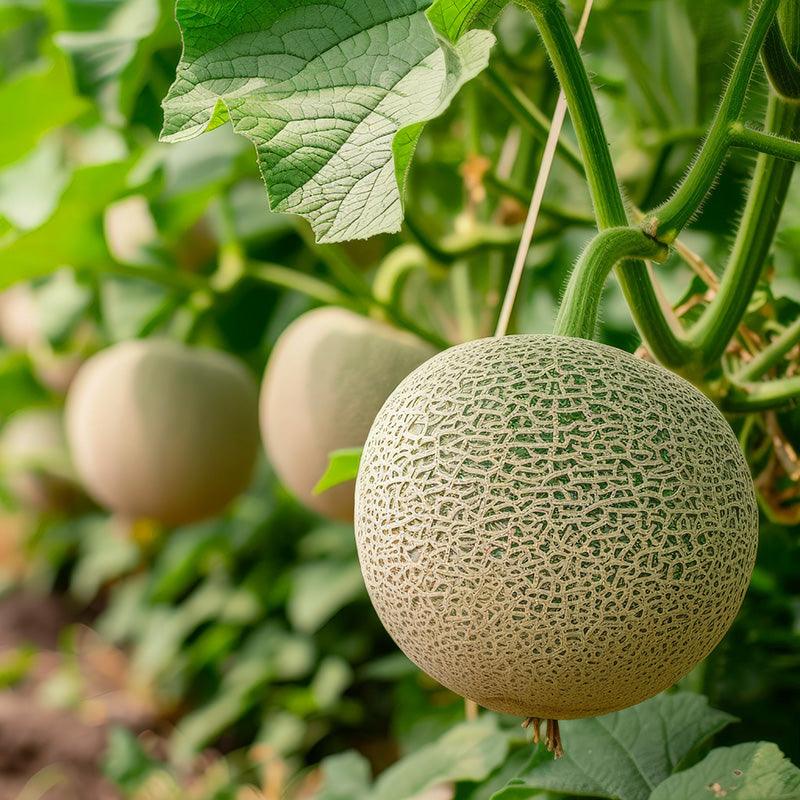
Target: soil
45	753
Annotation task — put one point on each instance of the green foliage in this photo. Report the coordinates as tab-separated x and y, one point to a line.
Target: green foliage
748	771
56	104
323	111
623	756
253	630
469	752
72	234
455	17
342	467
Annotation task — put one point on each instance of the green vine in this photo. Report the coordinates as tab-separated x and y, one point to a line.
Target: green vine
765	202
579	307
668	220
649	312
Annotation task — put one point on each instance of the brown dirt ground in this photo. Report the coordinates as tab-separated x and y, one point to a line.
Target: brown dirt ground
45	754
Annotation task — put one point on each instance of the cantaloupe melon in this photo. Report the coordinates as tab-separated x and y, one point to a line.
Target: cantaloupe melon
330	372
35	461
163	431
552	527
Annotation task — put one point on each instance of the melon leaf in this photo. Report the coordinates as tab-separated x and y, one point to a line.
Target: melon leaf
752	771
626	755
322	90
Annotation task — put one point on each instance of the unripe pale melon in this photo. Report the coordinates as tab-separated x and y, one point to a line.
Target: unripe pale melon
163	431
552	527
20	322
130	230
329	374
35	461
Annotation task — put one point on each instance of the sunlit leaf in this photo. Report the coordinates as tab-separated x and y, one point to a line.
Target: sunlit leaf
323	103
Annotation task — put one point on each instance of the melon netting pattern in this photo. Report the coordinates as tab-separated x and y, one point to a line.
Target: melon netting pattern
552	527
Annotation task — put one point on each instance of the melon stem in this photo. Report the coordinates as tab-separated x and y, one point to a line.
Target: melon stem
577	315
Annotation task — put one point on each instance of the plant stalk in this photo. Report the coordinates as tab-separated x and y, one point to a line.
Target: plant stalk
771	355
765	202
665	341
769	395
577	315
668	220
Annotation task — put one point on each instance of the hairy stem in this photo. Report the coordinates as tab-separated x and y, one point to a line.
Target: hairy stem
665	341
767	143
765	202
668	220
577	315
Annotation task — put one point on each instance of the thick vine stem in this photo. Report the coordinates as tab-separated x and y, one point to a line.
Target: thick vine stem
668	220
664	341
769	395
771	355
577	315
765	202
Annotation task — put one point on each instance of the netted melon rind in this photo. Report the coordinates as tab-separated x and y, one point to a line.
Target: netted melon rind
552	527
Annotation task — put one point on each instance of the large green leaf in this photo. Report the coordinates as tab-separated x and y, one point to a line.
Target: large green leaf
468	752
623	756
322	90
752	771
